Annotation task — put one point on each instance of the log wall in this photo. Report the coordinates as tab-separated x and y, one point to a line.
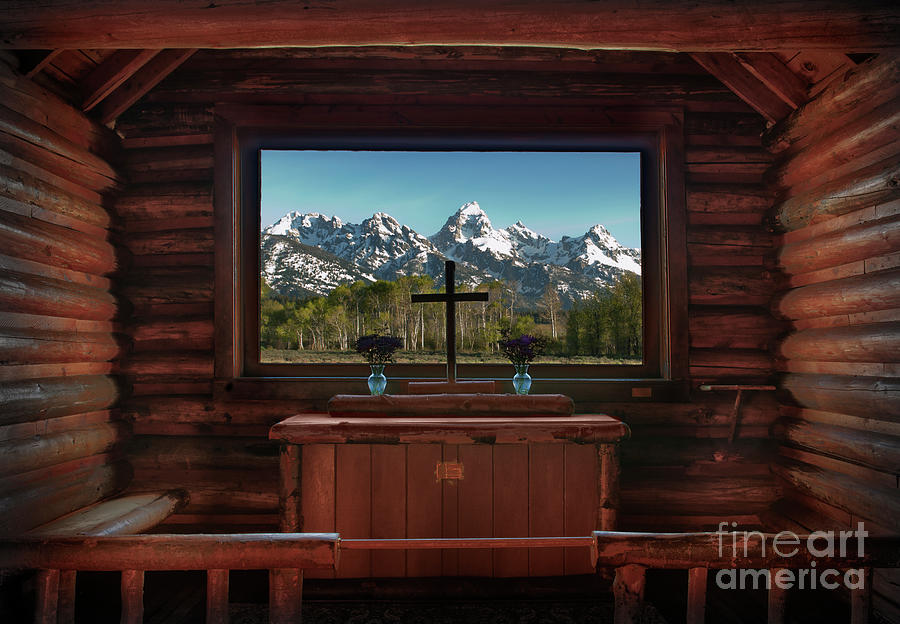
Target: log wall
839	424
679	472
61	439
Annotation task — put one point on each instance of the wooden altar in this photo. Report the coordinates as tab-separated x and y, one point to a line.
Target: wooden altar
426	477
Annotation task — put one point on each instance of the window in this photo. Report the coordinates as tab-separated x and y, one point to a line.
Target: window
280	301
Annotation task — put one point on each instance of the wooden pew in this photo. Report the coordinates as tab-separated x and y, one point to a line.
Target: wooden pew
124	515
631	554
135	554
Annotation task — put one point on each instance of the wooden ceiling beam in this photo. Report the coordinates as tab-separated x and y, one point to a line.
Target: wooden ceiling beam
147	77
773	73
735	76
40	63
111	73
667	25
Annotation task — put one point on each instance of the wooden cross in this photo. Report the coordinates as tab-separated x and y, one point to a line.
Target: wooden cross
450	297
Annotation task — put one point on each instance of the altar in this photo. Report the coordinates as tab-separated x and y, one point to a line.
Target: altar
469	474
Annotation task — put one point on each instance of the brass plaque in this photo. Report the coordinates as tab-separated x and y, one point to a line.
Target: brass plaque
448	470
641	393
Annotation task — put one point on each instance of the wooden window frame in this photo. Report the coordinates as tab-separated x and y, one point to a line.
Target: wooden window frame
656	134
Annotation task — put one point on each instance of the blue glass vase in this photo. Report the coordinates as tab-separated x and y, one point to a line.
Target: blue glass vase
522	380
377	380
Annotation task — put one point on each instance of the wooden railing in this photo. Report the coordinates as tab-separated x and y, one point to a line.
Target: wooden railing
631	554
135	554
286	555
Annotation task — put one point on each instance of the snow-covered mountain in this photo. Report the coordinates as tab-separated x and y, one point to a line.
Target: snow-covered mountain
382	248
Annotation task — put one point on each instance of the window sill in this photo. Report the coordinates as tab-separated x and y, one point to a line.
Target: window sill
320	389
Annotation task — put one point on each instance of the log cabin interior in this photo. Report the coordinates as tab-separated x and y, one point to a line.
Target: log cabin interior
132	440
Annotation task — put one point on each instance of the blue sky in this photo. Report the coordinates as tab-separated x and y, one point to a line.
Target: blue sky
553	193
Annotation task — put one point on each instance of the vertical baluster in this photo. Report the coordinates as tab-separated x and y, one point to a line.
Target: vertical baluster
132	597
217	597
696	603
285	585
861	600
628	591
609	486
285	590
777	599
66	605
47	596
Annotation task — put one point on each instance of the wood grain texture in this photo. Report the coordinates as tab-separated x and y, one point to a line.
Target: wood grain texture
709	25
510	507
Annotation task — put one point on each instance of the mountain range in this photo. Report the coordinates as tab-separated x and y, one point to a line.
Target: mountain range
306	254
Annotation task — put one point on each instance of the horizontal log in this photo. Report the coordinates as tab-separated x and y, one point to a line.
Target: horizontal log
869	186
23	160
728	550
240	551
159	452
56	425
488	405
648	450
146	119
44	201
171	242
31	239
523	59
89	167
68	276
139	263
29	507
218	490
168	158
37	399
697	496
877	342
30	294
224	84
77	174
735	328
123	515
882	427
868	397
878	451
866	240
862	141
147	226
730	286
46	450
743	359
863	293
30	346
706	410
735	236
327	429
202	410
169	365
709	25
858	91
186	334
881	505
162	201
26	97
169	285
864	473
727	204
43	371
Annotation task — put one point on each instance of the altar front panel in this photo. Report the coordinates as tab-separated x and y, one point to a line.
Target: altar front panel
504	490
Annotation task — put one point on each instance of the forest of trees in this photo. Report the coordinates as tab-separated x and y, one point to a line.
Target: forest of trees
608	324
